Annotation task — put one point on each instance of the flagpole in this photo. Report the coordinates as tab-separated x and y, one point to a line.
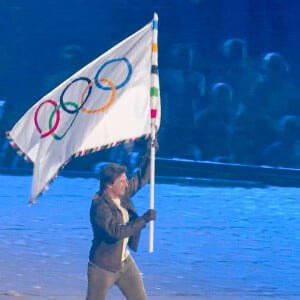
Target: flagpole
152	176
154	95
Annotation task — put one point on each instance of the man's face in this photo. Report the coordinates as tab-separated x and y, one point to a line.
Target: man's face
118	188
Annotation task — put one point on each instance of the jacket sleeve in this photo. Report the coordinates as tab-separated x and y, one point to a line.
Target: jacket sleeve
141	177
113	228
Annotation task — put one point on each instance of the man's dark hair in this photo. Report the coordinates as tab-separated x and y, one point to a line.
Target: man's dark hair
109	173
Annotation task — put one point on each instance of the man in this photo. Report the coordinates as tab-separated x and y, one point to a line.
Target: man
115	225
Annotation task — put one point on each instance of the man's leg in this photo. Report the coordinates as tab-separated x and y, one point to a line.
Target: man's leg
99	282
130	281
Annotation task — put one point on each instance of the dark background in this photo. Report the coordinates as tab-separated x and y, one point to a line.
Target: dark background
33	34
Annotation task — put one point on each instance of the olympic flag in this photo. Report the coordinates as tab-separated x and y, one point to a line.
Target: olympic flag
114	98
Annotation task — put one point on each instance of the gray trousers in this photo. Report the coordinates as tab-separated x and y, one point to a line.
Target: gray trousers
128	279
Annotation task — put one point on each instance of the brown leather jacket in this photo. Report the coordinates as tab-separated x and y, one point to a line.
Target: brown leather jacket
107	223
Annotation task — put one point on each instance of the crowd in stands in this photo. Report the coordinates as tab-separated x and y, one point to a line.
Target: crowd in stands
243	111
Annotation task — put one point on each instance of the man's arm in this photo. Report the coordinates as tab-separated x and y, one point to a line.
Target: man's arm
118	230
142	175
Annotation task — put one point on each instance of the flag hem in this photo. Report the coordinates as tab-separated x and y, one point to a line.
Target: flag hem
86	152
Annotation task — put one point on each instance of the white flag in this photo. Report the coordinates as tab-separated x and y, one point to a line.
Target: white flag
112	99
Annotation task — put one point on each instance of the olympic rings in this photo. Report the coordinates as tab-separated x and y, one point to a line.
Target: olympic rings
103	84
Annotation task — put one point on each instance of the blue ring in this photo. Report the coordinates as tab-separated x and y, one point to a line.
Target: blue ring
61	99
100	86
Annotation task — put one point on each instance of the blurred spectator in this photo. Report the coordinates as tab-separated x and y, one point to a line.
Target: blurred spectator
182	91
285	150
275	93
126	154
70	61
237	69
273	97
213	123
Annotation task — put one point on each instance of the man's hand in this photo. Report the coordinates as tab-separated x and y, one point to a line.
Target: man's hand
150	215
152	143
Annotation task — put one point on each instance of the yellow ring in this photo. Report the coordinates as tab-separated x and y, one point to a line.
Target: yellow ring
107	104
